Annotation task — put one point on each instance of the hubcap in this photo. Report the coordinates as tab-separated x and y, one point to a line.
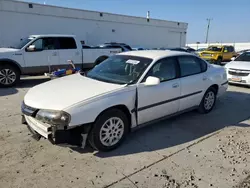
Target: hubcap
111	131
209	100
7	76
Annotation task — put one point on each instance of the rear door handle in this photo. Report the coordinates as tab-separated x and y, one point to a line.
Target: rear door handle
175	85
54	54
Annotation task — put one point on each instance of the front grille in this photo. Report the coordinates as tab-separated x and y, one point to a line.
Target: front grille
238	73
29	111
206	54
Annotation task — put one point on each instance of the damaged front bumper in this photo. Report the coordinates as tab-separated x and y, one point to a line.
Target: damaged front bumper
64	137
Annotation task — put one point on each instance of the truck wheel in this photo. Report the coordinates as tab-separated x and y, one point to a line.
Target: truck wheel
109	130
208	101
9	75
219	60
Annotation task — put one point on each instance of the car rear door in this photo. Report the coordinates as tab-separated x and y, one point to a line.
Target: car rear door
161	100
68	50
194	81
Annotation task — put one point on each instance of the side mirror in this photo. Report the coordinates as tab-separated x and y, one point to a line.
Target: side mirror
31	48
233	58
152	81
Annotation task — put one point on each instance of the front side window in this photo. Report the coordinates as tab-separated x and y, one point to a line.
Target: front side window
67	43
226	49
203	64
164	69
44	44
189	66
120	69
38	44
231	49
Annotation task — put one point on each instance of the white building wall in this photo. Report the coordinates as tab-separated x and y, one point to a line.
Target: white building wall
20	21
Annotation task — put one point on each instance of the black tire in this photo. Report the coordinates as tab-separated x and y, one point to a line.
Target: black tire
13	76
202	107
219	60
94	135
100	59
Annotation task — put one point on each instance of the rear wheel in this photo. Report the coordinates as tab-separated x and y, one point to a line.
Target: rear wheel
9	75
109	130
208	101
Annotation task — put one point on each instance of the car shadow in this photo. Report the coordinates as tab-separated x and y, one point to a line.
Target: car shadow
7	91
24	83
230	110
29	82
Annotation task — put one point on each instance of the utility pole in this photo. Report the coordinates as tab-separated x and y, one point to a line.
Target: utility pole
208	26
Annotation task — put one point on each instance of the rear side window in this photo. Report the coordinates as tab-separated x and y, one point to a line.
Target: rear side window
203	64
189	66
49	43
231	49
67	43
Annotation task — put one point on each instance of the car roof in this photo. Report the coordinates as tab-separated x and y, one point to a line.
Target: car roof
51	35
154	54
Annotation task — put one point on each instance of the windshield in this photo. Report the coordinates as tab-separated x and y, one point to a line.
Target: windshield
22	43
201	49
243	57
120	69
214	48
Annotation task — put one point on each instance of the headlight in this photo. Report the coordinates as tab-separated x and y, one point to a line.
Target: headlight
53	117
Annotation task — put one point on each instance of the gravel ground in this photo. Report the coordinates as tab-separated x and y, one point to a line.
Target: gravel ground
190	150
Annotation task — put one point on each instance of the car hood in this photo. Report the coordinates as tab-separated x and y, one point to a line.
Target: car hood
242	65
64	92
3	50
209	52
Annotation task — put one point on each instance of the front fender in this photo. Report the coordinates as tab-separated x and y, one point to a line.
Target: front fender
87	112
11	62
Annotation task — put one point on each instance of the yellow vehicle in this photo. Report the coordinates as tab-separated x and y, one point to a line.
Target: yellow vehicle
217	54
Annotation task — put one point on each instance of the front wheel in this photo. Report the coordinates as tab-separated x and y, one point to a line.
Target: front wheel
109	130
9	76
219	60
208	101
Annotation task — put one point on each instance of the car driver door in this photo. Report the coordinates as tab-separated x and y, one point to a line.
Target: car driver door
159	100
41	56
226	53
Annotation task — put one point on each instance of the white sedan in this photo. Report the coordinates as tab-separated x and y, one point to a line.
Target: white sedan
238	70
124	92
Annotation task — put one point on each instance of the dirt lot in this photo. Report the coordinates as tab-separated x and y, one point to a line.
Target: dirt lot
190	150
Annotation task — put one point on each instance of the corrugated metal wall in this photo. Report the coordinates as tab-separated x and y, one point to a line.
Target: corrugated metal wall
20	20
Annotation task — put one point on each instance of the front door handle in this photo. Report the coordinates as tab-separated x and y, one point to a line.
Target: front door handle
54	54
175	85
204	78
